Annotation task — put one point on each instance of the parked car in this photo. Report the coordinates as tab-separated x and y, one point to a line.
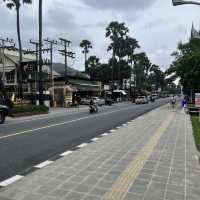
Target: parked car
3	113
98	101
85	101
141	100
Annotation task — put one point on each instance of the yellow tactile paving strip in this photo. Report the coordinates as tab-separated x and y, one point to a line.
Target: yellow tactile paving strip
121	186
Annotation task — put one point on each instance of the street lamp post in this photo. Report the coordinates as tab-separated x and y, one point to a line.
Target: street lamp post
182	2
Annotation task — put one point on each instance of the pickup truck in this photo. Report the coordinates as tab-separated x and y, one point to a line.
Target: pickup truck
3	113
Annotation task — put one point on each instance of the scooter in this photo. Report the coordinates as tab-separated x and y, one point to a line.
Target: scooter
93	109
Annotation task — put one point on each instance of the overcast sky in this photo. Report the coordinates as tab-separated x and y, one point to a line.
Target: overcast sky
156	24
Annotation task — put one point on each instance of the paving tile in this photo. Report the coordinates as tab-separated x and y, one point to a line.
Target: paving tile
132	196
74	196
174	196
58	193
83	188
33	197
98	191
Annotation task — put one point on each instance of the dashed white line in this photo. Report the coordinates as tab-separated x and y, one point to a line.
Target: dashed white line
43	164
66	153
105	134
112	131
118	127
10	180
94	139
82	145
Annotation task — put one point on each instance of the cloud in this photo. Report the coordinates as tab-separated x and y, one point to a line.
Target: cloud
120	4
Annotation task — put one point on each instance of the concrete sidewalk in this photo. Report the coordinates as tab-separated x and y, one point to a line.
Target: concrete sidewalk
151	158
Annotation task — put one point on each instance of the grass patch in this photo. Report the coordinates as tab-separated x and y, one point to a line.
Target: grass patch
29	109
196	130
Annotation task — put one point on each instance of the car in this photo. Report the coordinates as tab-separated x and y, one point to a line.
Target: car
3	113
98	101
141	100
85	101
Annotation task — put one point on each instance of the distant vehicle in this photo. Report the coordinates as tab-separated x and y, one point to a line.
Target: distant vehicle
3	113
141	100
85	101
98	101
154	96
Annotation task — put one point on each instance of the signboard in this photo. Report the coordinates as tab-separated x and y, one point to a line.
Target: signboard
197	99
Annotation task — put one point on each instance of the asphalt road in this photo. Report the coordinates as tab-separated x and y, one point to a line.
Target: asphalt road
26	143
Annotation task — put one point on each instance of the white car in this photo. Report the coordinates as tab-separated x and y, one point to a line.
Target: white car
141	100
98	101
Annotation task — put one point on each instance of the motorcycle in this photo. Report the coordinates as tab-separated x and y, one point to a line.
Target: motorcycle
93	109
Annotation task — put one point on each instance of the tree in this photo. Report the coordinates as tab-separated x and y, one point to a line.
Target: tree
141	69
186	66
86	45
157	77
92	67
16	4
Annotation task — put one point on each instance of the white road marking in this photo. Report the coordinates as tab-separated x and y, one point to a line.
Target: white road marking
82	145
94	139
66	153
53	115
43	164
10	180
105	134
60	124
112	131
118	127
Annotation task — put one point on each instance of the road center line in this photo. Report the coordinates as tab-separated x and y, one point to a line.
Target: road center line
60	124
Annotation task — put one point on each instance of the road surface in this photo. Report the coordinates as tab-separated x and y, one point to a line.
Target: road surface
25	143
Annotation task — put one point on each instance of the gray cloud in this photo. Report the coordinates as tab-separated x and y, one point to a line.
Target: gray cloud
120	4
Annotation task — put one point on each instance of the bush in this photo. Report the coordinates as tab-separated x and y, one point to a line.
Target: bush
31	109
196	130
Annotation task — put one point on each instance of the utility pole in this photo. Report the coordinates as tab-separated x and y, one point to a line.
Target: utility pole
51	42
66	54
36	44
40	54
36	52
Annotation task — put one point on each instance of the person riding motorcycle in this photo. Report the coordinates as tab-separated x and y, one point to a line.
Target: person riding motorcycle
93	105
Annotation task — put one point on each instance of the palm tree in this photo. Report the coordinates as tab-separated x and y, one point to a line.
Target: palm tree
16	4
116	32
86	45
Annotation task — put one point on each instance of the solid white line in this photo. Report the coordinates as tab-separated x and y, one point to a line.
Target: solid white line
66	153
94	139
10	180
59	124
43	164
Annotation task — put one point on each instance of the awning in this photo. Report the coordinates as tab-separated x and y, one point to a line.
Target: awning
120	91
